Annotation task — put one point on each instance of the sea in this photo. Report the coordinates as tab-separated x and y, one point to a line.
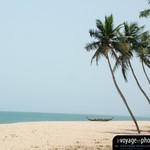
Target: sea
15	117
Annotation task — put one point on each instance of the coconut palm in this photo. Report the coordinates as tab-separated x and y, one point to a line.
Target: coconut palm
146	12
131	42
106	35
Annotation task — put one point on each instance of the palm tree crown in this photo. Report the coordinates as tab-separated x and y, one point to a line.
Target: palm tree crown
105	35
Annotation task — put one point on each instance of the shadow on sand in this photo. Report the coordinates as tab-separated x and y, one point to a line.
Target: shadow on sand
129	131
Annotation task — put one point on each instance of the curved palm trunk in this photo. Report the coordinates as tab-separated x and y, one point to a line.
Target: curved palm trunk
145	72
138	82
122	96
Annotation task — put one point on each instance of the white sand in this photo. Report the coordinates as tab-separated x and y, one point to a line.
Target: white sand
65	135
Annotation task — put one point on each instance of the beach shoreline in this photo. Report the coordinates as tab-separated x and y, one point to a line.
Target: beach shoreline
67	135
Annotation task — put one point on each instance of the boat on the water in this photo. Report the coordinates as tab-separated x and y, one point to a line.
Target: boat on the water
99	119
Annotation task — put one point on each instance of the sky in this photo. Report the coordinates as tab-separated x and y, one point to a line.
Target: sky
44	66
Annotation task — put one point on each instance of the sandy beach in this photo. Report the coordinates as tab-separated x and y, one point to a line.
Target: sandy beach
66	135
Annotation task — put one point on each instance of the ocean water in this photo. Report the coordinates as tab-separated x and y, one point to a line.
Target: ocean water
14	117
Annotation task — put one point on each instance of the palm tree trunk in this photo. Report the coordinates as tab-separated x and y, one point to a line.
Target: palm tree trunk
145	72
122	96
138	82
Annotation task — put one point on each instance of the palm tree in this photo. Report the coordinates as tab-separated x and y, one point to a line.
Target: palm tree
106	35
146	12
131	39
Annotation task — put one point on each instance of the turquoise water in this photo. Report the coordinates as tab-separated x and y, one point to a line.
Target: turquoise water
13	117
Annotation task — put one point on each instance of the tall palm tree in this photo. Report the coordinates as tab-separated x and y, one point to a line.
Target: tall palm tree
132	38
146	12
105	36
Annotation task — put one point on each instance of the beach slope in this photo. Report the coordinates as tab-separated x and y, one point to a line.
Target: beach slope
66	135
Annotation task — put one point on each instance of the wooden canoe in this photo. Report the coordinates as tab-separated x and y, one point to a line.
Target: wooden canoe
99	119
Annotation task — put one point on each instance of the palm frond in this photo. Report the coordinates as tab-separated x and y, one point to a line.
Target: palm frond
146	62
97	55
117	29
122	61
145	36
132	29
100	26
143	54
124	68
95	34
108	25
145	13
117	64
114	54
92	46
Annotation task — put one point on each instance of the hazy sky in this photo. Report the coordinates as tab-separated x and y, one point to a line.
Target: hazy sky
44	66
